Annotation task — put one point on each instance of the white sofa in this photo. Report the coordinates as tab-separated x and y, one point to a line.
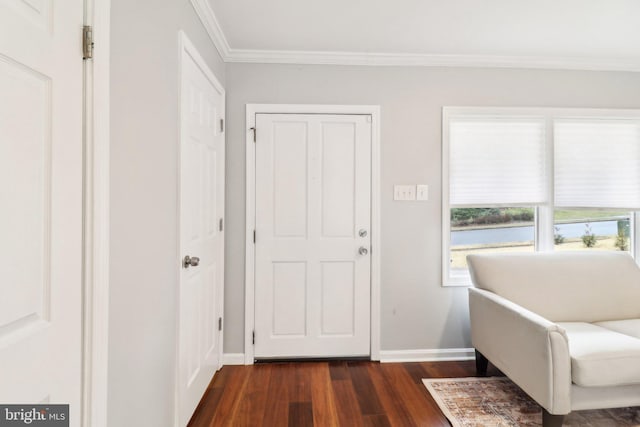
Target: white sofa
564	326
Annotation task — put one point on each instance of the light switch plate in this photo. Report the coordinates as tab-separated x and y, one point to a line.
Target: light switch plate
404	192
422	192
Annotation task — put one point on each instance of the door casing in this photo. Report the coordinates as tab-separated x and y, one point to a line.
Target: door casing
251	111
95	334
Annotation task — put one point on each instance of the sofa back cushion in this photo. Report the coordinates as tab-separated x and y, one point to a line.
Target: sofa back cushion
563	286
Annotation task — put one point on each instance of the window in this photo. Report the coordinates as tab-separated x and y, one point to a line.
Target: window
538	180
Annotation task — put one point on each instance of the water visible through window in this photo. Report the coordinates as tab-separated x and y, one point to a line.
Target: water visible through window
490	230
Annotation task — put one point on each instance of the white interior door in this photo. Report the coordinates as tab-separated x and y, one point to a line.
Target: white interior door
313	216
41	194
201	235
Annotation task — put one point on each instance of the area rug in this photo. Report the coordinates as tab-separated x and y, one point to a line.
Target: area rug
498	402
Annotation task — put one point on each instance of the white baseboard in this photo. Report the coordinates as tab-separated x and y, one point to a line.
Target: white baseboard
427	355
386	356
233	359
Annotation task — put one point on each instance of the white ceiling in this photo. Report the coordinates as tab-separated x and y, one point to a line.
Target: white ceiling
588	32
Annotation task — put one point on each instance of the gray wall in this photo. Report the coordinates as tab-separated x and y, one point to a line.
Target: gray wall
417	313
144	143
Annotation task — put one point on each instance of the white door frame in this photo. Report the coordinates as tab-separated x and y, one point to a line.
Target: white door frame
251	111
95	330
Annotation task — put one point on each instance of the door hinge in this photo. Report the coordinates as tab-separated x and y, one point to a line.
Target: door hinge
221	125
221	224
219	323
87	42
254	236
255	131
253	337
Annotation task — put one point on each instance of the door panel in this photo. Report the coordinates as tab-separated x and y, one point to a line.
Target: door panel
338	179
313	196
211	202
290	179
210	310
338	297
289	296
201	210
41	191
25	158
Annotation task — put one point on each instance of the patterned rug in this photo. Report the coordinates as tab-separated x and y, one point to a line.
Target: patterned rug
497	402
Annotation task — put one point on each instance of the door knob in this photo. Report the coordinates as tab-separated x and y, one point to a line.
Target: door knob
190	261
363	250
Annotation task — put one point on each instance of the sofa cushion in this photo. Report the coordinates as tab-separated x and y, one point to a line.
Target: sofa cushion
579	286
602	357
629	327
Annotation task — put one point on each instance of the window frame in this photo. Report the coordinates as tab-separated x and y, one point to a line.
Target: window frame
544	213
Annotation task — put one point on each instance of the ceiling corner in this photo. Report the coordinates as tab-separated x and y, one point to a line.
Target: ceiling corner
207	16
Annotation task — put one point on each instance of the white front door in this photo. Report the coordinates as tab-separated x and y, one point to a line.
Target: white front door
313	216
201	235
41	177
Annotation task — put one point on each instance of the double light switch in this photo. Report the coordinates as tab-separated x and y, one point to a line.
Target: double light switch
418	192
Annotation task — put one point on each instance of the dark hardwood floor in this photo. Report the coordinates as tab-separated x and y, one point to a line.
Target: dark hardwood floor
332	393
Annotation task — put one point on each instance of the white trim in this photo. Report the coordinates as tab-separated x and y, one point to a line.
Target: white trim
446	280
376	229
250	220
96	217
233	359
544	213
228	54
428	60
427	355
210	23
635	237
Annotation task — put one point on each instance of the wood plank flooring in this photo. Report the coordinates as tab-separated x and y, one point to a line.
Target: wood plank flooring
331	393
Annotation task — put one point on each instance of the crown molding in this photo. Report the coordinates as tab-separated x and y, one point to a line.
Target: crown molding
211	24
426	60
228	54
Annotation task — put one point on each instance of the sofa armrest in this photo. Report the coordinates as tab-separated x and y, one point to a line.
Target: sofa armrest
531	350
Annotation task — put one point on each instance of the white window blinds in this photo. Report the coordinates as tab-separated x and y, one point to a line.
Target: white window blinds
496	161
597	163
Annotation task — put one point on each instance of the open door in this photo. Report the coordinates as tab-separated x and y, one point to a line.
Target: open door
201	230
41	175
